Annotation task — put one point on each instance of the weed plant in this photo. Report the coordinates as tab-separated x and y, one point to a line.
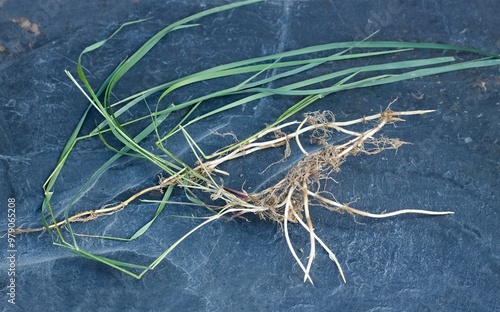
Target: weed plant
287	201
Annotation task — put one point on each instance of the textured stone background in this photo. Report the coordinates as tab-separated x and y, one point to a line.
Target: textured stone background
409	263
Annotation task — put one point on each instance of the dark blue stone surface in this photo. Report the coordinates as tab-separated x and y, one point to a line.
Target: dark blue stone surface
407	263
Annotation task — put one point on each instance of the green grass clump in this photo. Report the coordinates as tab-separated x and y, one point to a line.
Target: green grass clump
286	201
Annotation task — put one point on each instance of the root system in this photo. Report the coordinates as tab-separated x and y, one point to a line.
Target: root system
288	200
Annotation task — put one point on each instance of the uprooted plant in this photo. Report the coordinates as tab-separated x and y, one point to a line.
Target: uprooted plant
305	184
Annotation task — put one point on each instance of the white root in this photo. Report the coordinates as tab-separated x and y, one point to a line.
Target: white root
290	196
